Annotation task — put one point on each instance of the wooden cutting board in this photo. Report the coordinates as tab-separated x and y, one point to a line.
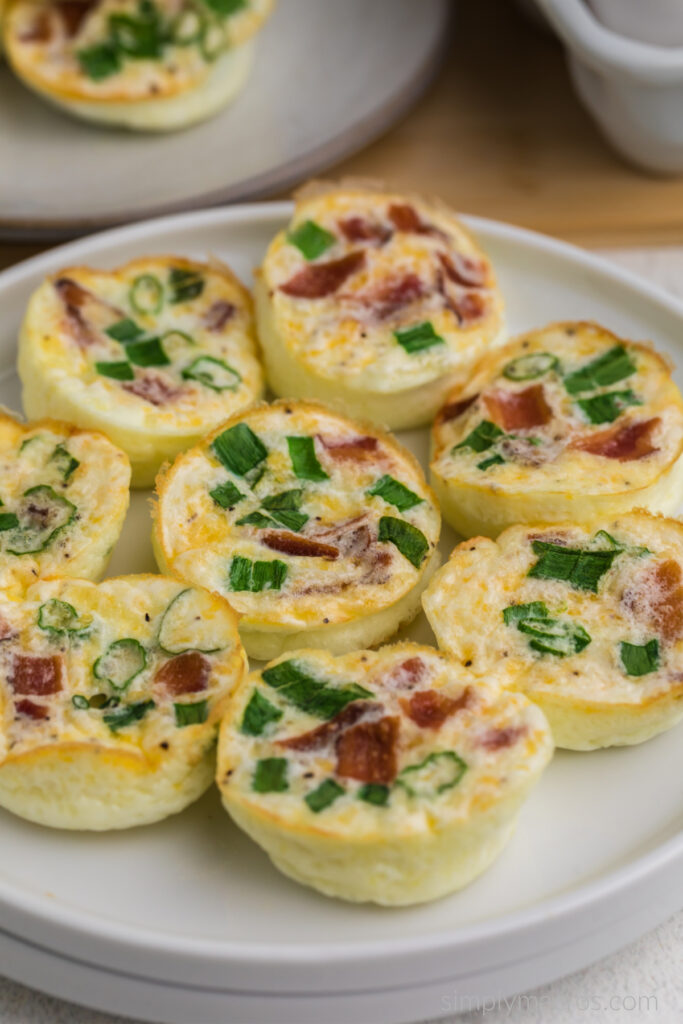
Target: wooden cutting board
501	134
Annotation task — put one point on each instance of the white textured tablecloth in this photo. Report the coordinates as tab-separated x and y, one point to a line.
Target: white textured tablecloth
640	984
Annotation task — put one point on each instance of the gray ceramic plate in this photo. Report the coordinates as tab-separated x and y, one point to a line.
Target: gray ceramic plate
328	77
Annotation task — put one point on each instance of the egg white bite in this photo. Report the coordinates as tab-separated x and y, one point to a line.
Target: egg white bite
389	776
151	65
63	498
319	530
154	354
586	620
110	697
375	303
568	422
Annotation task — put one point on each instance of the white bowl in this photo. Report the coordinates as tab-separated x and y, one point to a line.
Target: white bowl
650	21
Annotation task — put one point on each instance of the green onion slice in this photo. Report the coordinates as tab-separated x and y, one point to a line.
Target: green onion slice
315	696
581	569
80	702
100	61
311	239
226	494
304	460
560	637
374	793
124	330
418	338
284	508
256	576
65	462
531	366
187	624
121	370
185	284
226	7
41	515
191	714
484	435
607	407
439	772
258	715
61	618
410	541
639	660
239	449
127	714
492	460
149	352
515	612
395	493
146	295
8	521
213	373
614	365
326	793
270	775
121	663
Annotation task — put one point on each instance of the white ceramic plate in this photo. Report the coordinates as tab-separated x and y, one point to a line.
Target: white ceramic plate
187	920
328	77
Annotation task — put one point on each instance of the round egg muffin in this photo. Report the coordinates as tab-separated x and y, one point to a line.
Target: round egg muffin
154	65
63	498
376	304
587	621
568	422
110	697
154	353
319	530
387	776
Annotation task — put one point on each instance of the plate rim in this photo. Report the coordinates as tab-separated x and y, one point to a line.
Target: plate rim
582	898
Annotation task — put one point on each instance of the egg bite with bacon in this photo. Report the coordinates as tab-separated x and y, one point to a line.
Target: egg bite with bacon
154	354
568	422
388	776
152	65
375	303
319	530
110	697
587	621
63	498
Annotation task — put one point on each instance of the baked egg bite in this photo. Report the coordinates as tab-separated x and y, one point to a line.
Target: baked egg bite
154	354
375	303
587	621
153	65
110	696
63	498
388	776
319	530
568	422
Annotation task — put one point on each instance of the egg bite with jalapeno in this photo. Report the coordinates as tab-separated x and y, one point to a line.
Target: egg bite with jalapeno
319	530
587	621
569	422
63	498
151	65
375	303
388	776
110	697
154	354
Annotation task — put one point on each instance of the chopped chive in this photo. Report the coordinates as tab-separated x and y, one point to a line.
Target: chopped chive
374	793
8	521
438	772
117	370
304	460
122	661
246	575
191	714
61	618
493	460
146	294
80	702
147	353
258	714
560	637
256	519
481	438
226	494
65	461
326	793
531	366
100	61
270	775
127	714
311	240
581	569
395	493
284	507
607	407
410	541
534	610
124	330
139	38
185	284
418	338
614	365
307	693
102	700
239	449
42	515
639	660
212	373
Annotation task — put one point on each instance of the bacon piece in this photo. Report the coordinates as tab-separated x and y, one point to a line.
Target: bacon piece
40	30
218	314
30	709
519	410
367	751
323	735
321	279
627	443
658	601
186	673
496	739
429	708
295	544
392	295
405	674
36	675
468	307
354	449
406	218
72	294
152	388
74	13
467	271
75	299
453	410
6	631
358	229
